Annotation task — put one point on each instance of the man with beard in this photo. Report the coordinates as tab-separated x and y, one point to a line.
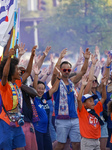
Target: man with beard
67	122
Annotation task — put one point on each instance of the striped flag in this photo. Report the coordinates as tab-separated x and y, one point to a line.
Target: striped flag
6	20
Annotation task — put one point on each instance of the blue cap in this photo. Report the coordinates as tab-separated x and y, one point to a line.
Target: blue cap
86	96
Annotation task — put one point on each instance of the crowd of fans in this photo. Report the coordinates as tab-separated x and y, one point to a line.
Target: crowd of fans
61	107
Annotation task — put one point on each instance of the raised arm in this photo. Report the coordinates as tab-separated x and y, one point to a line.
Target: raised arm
79	61
91	75
56	84
51	68
29	67
41	59
98	68
78	64
53	79
107	69
97	53
77	78
7	47
104	95
45	75
7	67
21	50
106	72
79	99
36	71
38	60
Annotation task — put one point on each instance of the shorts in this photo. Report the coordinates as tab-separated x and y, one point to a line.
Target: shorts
68	127
90	144
11	137
104	131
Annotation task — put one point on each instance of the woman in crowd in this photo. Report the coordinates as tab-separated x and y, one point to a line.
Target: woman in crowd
42	126
28	94
11	119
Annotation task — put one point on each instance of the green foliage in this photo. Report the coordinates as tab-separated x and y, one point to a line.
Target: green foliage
76	23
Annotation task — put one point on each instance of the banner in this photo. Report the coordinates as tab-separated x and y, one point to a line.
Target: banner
7	8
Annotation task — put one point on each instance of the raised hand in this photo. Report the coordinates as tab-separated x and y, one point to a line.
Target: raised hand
36	59
33	50
104	80
87	54
51	58
63	53
21	49
109	60
49	70
84	80
35	69
47	50
106	53
11	52
94	59
80	61
43	71
58	72
97	50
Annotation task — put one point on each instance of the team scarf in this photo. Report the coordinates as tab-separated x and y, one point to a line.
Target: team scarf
35	114
63	112
16	95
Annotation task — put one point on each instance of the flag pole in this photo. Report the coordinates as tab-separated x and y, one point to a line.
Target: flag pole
18	28
14	27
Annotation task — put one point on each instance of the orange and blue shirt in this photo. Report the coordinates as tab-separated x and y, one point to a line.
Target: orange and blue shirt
6	94
89	124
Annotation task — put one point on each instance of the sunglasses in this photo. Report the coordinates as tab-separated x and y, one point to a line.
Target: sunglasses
64	70
95	81
22	72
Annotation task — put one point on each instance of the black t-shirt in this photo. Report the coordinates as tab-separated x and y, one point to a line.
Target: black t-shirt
27	108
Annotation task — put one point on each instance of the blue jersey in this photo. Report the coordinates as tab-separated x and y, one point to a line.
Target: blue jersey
71	103
43	111
109	98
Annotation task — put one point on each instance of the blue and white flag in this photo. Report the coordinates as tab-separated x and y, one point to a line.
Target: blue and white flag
6	20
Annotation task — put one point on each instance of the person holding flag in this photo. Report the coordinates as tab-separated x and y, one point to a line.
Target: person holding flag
11	118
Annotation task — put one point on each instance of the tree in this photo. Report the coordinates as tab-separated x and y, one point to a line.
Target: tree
85	23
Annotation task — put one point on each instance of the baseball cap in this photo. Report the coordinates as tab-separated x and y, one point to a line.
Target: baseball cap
22	67
86	96
23	64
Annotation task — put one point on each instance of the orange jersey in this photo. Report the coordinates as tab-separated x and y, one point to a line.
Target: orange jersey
89	124
111	139
6	94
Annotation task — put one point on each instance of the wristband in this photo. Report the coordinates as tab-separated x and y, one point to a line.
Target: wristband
107	66
58	78
38	73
